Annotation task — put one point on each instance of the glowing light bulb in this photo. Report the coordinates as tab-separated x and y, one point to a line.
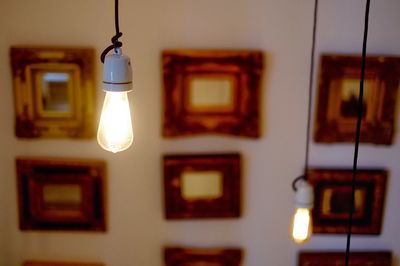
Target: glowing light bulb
115	128
115	132
302	222
301	230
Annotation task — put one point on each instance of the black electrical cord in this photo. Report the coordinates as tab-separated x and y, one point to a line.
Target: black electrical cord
114	40
311	78
358	131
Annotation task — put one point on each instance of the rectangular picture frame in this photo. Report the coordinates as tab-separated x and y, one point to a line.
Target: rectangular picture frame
202	256
61	194
338	90
357	258
202	186
212	92
332	197
53	91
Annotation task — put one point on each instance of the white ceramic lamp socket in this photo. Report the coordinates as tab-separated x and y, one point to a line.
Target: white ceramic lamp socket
304	195
117	72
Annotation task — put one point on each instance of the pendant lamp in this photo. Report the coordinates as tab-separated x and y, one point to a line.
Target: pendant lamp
302	221
115	131
304	199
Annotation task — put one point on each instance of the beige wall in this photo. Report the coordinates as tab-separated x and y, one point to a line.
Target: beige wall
137	230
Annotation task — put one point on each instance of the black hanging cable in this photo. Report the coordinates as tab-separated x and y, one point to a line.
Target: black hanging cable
116	16
115	42
310	86
311	78
358	131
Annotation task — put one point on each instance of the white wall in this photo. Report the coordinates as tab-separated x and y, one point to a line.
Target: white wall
137	230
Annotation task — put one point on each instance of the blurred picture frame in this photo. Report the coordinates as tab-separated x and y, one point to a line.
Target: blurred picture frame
212	92
55	263
53	91
332	192
202	186
338	90
205	257
357	258
61	194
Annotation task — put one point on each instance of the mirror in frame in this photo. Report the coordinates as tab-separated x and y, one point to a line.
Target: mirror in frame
54	92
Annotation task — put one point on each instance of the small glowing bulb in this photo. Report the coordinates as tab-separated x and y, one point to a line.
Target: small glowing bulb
115	132
302	222
301	229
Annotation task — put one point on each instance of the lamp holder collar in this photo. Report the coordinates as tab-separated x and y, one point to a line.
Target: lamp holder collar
304	195
117	72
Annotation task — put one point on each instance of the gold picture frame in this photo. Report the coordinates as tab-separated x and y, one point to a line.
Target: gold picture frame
202	256
332	193
198	186
61	194
334	258
212	92
338	90
54	92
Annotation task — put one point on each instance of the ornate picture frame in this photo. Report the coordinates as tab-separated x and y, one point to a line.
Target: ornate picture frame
202	186
332	192
61	194
53	91
205	257
212	92
360	258
338	90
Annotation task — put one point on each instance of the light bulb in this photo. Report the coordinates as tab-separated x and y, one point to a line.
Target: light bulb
302	222
115	128
301	229
115	132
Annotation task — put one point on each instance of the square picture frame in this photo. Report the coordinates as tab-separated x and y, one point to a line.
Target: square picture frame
61	194
332	258
202	186
338	90
205	257
53	91
212	92
332	192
